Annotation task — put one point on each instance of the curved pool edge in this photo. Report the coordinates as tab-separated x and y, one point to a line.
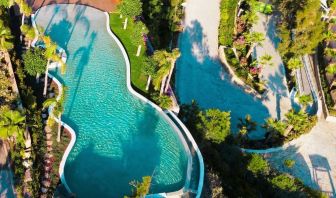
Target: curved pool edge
144	99
163	113
66	126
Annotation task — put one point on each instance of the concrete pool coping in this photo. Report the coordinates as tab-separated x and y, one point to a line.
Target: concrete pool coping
142	98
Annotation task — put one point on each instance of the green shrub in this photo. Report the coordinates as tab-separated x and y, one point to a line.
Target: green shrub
257	165
227	22
284	182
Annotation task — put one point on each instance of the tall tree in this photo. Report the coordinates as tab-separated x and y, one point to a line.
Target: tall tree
29	33
294	63
215	125
309	28
253	39
51	55
130	8
34	62
172	58
57	111
138	33
25	9
304	100
150	69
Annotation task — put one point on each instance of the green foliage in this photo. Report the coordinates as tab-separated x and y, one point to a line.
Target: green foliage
247	123
254	38
303	19
331	69
5	37
304	100
242	174
289	163
6	93
284	182
257	165
164	60
138	32
34	61
150	67
215	125
28	31
12	124
299	120
227	22
163	101
130	8
275	126
141	189
294	63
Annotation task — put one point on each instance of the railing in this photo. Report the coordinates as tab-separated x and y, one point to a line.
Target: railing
191	141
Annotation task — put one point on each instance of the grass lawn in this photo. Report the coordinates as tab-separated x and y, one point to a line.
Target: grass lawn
138	79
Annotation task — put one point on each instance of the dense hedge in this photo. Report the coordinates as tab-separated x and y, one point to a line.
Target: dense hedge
227	21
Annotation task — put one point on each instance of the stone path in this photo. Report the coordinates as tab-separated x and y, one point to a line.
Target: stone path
277	99
315	158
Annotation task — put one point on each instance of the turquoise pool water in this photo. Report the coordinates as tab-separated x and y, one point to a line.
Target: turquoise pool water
119	137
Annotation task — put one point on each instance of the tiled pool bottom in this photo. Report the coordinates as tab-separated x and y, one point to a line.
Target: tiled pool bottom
119	138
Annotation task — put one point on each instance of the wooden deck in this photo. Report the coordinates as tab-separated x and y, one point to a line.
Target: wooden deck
104	5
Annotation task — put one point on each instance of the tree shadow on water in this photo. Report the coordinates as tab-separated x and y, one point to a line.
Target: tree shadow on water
202	78
84	54
107	173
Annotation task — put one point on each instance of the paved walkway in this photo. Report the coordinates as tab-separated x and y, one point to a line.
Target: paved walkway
277	100
315	158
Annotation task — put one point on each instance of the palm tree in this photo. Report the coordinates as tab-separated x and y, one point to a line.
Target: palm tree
330	52
57	105
266	60
12	124
172	58
247	123
304	100
329	36
297	121
150	70
51	55
29	33
274	126
161	58
331	68
294	64
166	63
25	9
253	39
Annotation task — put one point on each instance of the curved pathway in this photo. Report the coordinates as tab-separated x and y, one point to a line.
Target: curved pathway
199	73
315	158
199	76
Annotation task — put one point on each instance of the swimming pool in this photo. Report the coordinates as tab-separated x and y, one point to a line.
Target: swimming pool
119	137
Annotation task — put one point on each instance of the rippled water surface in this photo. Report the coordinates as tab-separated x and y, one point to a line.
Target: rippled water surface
119	138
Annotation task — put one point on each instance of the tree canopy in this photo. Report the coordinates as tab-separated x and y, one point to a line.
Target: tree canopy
215	125
131	8
34	61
